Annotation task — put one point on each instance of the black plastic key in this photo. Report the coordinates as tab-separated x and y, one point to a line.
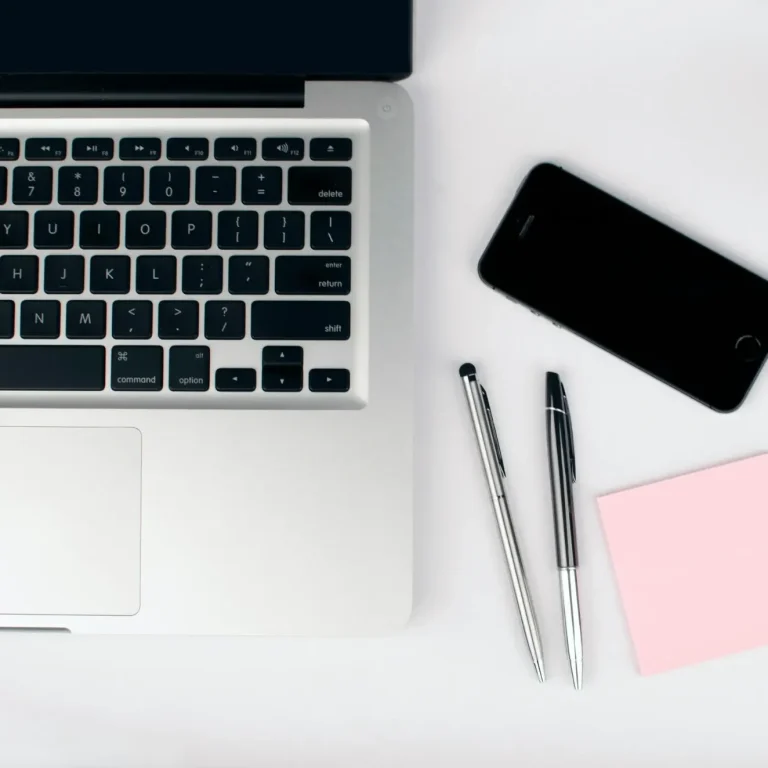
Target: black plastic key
215	185
284	230
3	185
313	275
169	185
93	149
330	149
328	320
45	149
7	311
58	368
137	369
124	185
330	230
54	229
320	185
225	320
187	149
189	369
18	274
78	185
282	356
140	149
64	274
156	274
178	320
236	379
99	229
40	319
32	185
329	380
110	274
282	149
132	320
9	149
202	274
238	230
234	149
282	378
262	185
14	229
249	275
145	230
86	319
191	230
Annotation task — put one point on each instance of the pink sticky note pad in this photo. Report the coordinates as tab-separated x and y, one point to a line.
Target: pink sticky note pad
690	560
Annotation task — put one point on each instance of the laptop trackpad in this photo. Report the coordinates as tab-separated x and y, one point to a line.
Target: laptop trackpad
70	520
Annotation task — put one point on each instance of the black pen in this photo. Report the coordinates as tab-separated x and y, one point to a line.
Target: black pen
562	475
493	464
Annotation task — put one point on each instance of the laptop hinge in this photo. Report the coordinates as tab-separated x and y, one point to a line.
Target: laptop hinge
142	90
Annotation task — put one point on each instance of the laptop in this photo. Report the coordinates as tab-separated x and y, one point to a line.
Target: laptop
206	392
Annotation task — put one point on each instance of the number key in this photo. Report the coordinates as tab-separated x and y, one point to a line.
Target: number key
169	185
78	185
124	185
32	185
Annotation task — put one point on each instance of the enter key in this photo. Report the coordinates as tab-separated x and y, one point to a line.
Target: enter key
313	275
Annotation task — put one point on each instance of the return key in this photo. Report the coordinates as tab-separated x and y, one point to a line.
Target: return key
313	275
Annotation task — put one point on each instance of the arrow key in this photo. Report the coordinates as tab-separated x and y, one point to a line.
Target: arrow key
178	320
282	378
282	356
329	380
141	148
236	380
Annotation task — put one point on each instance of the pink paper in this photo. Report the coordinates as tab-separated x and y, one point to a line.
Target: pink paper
691	560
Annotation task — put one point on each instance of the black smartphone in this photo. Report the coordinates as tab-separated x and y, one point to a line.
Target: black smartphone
632	285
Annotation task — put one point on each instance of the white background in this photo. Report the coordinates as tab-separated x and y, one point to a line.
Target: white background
664	102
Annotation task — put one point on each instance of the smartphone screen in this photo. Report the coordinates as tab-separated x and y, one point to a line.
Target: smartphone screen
631	285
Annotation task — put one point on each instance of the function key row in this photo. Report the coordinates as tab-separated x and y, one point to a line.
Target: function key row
177	319
172	185
185	149
247	275
189	230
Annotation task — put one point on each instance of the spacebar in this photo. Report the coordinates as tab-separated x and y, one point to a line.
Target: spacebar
59	368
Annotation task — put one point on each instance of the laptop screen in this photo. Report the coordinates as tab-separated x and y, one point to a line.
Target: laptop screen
360	39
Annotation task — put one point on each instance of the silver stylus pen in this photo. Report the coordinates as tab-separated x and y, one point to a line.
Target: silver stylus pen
490	452
562	475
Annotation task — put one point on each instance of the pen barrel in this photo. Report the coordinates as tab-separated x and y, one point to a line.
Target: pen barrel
561	485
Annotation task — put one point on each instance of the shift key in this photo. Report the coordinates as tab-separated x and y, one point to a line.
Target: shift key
309	320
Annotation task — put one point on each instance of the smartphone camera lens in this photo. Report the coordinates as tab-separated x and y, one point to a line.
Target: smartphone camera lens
748	348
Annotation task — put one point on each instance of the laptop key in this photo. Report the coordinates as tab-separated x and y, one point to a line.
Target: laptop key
14	229
282	149
309	320
284	230
238	230
282	378
225	320
248	275
110	274
3	185
189	369
313	275
78	185
329	380
187	149
191	230
99	229
262	185
86	319
132	320
145	229
140	149
330	149
330	231
45	149
18	274
58	368
320	185
215	185
54	229
178	320
40	319
234	149
64	274
137	369
9	149
156	274
124	185
169	185
236	379
7	311
202	274
282	356
32	185
93	149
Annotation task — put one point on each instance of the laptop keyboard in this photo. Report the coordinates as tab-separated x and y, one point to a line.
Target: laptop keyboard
209	270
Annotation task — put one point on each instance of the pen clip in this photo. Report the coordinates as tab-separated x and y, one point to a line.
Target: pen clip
569	427
494	435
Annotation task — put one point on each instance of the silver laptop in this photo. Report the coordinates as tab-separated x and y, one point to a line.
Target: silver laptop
206	320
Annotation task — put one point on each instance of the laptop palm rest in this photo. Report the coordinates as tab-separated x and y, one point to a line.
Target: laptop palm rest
70	521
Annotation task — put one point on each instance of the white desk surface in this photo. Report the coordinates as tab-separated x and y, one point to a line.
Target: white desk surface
663	101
